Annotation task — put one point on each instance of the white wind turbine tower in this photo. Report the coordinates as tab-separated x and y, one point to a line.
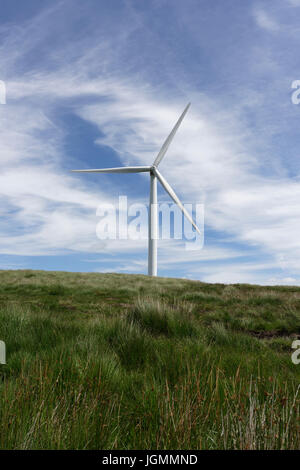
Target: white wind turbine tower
154	176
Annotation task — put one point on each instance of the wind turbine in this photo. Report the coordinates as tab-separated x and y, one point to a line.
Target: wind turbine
154	176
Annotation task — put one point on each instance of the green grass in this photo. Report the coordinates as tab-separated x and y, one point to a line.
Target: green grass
129	362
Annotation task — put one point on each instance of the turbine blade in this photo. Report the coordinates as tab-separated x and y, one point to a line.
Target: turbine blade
169	139
122	169
175	198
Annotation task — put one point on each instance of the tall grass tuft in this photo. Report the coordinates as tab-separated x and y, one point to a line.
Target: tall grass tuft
159	318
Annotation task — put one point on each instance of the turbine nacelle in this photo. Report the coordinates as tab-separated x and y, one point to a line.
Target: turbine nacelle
154	176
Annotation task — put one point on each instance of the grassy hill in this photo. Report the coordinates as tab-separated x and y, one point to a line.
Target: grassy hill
122	361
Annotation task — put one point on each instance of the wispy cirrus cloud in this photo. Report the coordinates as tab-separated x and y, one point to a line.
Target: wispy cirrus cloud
265	20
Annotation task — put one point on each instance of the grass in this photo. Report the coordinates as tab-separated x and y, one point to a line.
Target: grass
130	362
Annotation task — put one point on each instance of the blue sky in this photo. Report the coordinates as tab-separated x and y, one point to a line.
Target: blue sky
101	83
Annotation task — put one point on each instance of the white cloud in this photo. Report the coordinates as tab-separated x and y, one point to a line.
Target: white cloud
294	3
265	20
